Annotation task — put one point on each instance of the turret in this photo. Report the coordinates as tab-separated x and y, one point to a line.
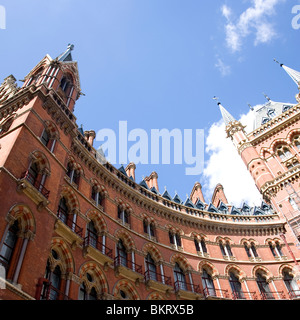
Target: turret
59	74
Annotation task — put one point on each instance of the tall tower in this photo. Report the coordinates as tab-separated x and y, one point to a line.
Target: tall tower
271	152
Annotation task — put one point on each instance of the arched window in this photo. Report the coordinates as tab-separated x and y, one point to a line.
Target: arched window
123	216
73	174
122	254
250	250
148	228
291	285
96	196
283	152
225	249
63	211
150	268
200	246
9	245
175	239
179	277
264	287
208	284
52	290
236	286
92	234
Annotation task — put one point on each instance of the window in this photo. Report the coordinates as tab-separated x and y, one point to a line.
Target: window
122	254
264	287
47	140
175	239
96	196
200	246
9	244
52	290
179	277
63	211
276	249
251	250
236	286
92	234
148	228
225	249
208	284
291	285
150	268
73	174
283	153
123	215
4	127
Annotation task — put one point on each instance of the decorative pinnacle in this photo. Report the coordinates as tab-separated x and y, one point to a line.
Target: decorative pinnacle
281	64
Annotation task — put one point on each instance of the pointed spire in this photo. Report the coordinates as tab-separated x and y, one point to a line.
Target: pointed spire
295	75
227	117
66	56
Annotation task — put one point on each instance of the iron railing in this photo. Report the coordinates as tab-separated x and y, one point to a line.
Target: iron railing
122	261
152	275
92	241
36	183
67	220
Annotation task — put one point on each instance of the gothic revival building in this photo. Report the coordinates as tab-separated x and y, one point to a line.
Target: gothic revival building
72	226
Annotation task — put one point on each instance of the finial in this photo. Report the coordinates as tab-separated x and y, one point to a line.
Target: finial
70	46
266	97
281	64
251	108
217	99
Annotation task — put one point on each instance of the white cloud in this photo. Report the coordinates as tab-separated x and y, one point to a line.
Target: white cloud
223	68
252	21
225	166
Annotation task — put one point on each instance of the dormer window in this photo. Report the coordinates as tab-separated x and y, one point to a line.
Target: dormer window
271	113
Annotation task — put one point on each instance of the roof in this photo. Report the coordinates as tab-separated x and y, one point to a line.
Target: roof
270	110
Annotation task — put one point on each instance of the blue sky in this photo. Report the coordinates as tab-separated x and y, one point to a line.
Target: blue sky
158	63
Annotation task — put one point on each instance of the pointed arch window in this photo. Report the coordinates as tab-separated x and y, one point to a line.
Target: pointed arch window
52	290
175	239
123	216
264	287
283	152
9	245
96	196
179	277
150	268
208	284
291	285
149	228
200	246
73	174
91	234
236	286
122	254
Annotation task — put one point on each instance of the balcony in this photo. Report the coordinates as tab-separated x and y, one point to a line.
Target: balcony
93	248
128	269
157	281
34	189
45	291
68	229
186	290
294	294
244	295
215	294
272	295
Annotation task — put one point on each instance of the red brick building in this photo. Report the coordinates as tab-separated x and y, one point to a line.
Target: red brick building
72	227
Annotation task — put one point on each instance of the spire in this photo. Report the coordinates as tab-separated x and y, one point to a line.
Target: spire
66	56
295	75
227	117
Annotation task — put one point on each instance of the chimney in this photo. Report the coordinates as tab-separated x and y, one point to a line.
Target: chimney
90	136
197	193
219	196
154	177
130	170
